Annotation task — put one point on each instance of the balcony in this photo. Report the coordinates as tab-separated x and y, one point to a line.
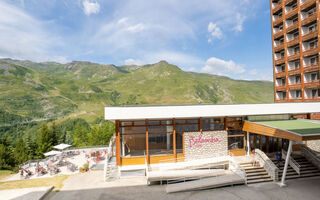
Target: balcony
293	56
292	26
313	83
278	34
309	35
294	71
306	4
311	68
278	20
293	42
279	47
279	61
276	7
280	74
310	51
310	18
292	12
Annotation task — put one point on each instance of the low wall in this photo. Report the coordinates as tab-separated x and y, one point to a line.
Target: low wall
206	144
267	164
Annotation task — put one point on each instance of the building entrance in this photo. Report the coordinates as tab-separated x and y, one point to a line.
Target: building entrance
267	144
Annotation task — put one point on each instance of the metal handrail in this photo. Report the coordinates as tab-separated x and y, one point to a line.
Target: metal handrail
314	156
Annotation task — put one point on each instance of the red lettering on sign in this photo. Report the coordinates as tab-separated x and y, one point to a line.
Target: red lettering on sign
198	141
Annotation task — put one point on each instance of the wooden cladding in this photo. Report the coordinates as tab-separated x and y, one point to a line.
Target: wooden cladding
269	131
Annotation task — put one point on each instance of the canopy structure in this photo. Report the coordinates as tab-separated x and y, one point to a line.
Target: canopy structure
62	146
52	153
298	130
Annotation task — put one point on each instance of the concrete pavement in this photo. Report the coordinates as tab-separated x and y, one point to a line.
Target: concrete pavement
35	193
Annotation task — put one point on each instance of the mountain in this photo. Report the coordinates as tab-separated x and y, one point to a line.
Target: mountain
52	91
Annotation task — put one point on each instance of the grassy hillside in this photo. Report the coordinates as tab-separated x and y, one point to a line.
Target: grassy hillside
52	91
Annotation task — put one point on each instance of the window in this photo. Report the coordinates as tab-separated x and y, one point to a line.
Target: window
280	27
298	94
312	28
209	124
297	64
281	54
298	79
296	50
294	20
281	40
283	68
314	93
296	34
313	44
283	81
314	60
160	144
235	143
284	95
313	76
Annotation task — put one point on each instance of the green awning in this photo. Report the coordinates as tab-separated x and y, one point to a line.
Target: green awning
301	127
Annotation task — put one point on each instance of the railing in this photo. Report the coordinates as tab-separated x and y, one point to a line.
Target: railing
237	169
292	162
108	157
310	156
267	164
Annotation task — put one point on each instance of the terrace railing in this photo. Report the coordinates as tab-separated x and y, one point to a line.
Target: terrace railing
292	162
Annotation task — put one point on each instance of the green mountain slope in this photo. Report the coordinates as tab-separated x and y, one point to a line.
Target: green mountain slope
52	91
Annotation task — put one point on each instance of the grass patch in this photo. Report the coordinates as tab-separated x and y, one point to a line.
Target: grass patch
57	182
5	173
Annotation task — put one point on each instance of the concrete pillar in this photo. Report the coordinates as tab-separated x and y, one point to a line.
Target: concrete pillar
284	173
248	143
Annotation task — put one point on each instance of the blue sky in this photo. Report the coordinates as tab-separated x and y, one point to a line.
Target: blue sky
229	37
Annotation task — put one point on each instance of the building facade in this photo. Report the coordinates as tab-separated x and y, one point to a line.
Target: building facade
160	134
295	35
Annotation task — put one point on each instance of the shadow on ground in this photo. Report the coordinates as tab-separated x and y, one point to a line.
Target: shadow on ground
297	189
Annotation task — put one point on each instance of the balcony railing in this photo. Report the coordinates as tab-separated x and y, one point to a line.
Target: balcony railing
279	47
277	34
311	64
306	3
279	61
294	71
293	56
310	18
310	50
292	26
277	6
311	68
310	34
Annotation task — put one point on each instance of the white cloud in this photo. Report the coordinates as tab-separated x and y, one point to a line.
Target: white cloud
25	37
221	67
215	32
136	28
131	61
239	22
90	7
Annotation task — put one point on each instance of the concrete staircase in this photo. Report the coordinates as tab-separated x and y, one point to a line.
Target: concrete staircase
112	172
255	173
307	169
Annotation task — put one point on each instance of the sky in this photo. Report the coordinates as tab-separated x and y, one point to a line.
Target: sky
230	37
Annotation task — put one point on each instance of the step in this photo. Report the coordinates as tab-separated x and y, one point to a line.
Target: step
257	173
303	165
303	175
253	168
258	177
303	172
301	169
259	181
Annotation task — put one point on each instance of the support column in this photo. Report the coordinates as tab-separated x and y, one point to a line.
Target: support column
284	173
118	143
248	143
174	140
147	142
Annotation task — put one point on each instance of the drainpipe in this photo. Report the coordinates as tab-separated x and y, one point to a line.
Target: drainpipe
284	173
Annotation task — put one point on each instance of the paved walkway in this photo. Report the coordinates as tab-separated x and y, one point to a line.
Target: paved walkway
24	194
91	186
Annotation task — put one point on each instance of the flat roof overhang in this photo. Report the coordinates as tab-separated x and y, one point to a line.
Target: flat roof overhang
113	113
298	130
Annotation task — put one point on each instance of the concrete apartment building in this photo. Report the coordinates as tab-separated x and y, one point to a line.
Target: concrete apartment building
295	35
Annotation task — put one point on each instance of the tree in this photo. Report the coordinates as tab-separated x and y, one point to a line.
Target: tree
20	152
101	135
44	141
80	136
54	134
6	155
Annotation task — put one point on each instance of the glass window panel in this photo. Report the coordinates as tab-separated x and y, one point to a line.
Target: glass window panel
211	127
160	129
235	132
235	143
160	144
139	123
125	123
193	121
132	130
184	128
166	122
133	145
180	121
179	142
211	120
154	122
